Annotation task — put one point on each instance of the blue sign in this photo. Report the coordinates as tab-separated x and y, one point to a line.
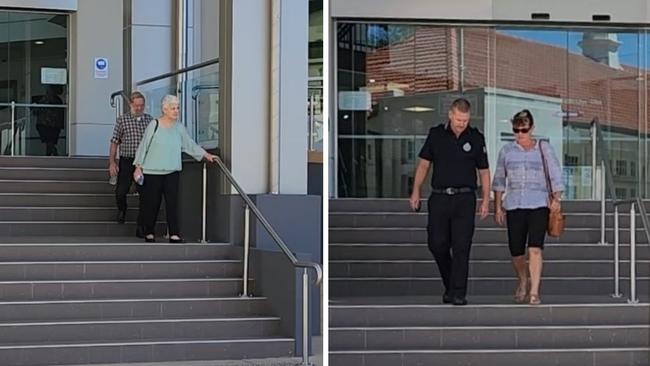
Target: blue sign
101	63
101	68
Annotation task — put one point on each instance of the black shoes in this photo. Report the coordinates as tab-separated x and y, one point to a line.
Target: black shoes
459	301
121	216
446	298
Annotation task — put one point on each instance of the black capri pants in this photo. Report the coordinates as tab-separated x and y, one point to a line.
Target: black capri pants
526	226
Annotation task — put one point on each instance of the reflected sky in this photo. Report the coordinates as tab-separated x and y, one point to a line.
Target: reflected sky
628	51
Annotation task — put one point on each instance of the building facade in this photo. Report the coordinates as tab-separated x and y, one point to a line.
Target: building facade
396	68
61	60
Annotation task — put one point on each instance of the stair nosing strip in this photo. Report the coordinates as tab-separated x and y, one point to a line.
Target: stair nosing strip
461	351
141	321
495	327
499	261
424	229
551	244
481	278
487	306
111	244
150	280
93	301
133	262
150	343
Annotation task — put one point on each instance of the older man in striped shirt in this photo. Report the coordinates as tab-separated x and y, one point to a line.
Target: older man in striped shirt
127	134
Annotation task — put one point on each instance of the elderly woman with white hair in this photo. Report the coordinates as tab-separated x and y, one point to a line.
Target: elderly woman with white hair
158	165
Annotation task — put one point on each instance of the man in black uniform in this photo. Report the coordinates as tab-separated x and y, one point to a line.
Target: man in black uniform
457	151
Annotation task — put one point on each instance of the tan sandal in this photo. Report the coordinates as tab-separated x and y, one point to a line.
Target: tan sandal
520	296
534	300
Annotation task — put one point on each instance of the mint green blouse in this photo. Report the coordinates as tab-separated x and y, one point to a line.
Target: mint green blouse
164	154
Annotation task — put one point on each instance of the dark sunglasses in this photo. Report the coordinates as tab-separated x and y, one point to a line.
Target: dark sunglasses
521	130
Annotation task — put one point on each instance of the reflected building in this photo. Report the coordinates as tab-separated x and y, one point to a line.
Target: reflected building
395	81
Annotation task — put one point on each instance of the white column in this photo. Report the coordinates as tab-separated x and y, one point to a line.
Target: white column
96	31
289	78
263	111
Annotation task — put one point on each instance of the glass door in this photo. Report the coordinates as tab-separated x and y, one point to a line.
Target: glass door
33	84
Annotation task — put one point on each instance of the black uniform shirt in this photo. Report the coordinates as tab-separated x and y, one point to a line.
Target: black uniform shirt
455	160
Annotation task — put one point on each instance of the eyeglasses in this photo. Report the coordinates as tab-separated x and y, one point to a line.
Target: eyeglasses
521	130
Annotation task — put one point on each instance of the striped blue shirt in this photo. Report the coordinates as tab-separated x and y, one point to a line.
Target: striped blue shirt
520	174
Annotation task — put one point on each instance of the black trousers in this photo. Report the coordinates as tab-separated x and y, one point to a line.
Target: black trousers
450	231
154	188
124	181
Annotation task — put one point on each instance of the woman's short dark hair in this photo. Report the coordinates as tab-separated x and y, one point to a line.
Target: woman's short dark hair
523	117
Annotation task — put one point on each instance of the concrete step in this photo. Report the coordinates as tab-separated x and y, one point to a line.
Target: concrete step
137	330
481	235
123	249
418	286
72	228
54	162
489	337
487	251
108	270
63	310
419	220
48	173
68	213
145	351
503	357
55	186
119	289
63	200
402	205
479	268
428	311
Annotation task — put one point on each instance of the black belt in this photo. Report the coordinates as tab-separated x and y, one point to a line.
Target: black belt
450	191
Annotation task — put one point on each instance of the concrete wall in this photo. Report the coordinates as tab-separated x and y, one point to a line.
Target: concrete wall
559	10
96	30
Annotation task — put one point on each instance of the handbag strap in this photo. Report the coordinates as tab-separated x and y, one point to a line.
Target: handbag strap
150	140
546	174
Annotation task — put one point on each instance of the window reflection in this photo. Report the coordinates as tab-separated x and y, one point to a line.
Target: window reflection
394	82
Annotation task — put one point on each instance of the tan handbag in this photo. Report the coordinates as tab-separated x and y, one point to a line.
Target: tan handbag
555	226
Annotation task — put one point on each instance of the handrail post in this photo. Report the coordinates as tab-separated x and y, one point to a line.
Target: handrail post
13	126
617	277
632	299
593	159
247	215
204	203
305	318
603	183
312	111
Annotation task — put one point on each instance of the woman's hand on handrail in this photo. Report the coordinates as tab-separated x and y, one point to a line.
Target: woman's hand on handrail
210	158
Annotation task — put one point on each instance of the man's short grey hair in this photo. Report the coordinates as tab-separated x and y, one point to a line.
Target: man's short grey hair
168	100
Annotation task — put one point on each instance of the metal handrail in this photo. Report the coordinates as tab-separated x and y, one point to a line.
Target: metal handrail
177	72
608	180
305	265
161	77
295	261
116	94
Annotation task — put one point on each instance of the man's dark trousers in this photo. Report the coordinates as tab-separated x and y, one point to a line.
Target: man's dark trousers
124	181
450	231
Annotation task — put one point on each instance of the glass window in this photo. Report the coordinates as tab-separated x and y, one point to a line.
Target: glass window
395	81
